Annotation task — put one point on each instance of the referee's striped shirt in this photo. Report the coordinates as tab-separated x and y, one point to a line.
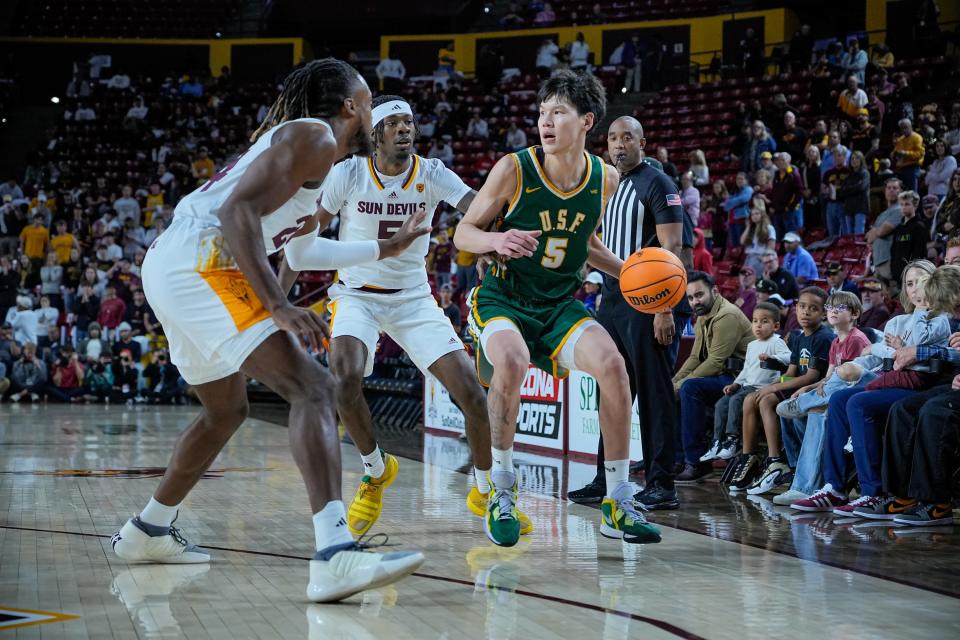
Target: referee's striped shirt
645	198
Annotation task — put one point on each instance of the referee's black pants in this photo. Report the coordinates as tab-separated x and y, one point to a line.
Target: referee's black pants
921	444
650	370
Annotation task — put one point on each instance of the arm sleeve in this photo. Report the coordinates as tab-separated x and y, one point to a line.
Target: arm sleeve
450	188
335	188
727	336
741	198
664	200
782	352
313	253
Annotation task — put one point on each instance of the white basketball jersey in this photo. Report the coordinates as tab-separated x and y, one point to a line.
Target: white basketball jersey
373	206
279	226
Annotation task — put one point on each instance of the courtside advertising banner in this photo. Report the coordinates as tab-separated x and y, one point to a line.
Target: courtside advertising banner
583	417
539	423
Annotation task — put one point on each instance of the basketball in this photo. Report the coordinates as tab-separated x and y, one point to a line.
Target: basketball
653	280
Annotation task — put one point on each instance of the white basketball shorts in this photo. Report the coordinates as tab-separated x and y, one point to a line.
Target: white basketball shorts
212	318
411	317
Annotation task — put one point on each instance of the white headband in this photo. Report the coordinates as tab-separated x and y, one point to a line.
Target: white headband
392	108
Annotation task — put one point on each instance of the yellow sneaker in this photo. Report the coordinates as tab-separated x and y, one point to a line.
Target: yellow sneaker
368	501
477	503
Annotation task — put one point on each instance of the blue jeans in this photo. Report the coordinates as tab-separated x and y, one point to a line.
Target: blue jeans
696	394
807	477
734	232
787	222
791	433
909	176
835	218
855	224
853	413
812	399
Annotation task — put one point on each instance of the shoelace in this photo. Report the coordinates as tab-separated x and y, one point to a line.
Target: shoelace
178	538
504	500
742	470
628	508
862	500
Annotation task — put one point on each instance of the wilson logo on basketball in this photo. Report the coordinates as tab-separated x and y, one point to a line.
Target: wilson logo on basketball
646	300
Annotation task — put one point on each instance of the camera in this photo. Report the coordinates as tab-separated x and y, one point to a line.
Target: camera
888	364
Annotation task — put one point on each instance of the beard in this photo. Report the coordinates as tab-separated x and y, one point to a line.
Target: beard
703	308
362	143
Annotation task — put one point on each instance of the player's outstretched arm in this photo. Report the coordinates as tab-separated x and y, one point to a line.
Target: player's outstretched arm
496	192
311	252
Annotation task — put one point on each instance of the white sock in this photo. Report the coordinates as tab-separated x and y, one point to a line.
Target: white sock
616	473
330	525
373	463
502	479
483	480
158	514
503	459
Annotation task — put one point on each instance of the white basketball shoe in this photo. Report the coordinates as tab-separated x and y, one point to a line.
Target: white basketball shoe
140	541
340	571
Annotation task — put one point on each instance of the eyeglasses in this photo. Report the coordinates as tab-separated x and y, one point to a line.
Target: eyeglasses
839	308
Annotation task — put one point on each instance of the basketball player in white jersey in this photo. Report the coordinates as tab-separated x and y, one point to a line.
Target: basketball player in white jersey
373	197
226	317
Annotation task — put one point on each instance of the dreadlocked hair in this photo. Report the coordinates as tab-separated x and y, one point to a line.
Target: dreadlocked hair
315	90
378	128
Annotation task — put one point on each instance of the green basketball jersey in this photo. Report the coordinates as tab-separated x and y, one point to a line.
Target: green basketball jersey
566	219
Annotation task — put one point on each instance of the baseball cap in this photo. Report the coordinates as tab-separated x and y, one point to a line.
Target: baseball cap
594	277
767	286
766	154
124	326
747	271
777	300
871	285
833	268
863	112
792	237
930	199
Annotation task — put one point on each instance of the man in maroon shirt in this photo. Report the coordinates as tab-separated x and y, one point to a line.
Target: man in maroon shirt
876	311
112	311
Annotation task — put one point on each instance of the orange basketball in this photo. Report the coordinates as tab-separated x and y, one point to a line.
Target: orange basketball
653	280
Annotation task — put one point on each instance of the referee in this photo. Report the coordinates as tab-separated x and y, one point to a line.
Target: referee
645	211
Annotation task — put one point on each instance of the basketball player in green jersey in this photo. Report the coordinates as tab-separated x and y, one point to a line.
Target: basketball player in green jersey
551	200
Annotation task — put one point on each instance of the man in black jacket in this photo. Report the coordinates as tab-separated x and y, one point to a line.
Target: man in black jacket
909	237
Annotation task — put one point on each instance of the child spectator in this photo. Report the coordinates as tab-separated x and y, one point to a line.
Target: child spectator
858	412
758	237
728	413
809	353
591	290
702	259
843	310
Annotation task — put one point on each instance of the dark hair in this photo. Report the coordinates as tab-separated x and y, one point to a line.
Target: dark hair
585	92
701	276
892	179
814	291
317	89
770	308
378	128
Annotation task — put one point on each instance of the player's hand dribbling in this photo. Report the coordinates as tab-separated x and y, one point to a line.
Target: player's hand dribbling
402	239
664	327
303	322
515	243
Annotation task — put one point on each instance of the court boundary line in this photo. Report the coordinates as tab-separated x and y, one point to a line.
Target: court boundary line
752	545
660	624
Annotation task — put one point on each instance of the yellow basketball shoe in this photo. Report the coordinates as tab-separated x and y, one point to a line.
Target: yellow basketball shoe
368	501
477	503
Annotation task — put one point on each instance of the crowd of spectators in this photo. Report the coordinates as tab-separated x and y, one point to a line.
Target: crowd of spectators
75	227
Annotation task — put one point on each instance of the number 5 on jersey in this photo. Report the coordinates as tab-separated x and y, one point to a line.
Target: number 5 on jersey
554	252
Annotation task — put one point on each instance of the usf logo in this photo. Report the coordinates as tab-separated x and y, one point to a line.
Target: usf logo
646	300
589	394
